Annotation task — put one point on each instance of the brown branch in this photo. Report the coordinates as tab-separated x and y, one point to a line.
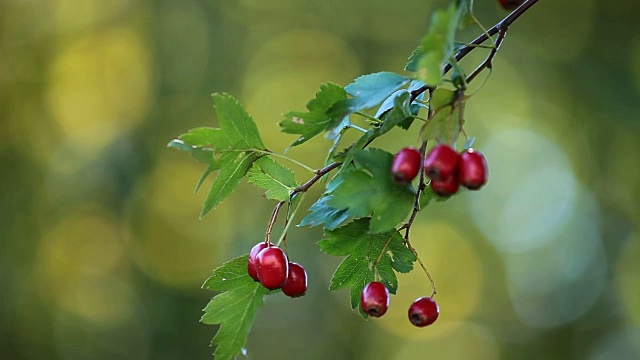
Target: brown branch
302	188
503	24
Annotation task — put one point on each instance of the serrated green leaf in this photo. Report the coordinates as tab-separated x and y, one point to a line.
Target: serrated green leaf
366	255
438	44
371	191
368	91
321	213
315	121
414	60
234	309
228	179
270	175
239	128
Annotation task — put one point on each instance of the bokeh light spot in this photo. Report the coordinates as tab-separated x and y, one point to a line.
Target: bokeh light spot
99	86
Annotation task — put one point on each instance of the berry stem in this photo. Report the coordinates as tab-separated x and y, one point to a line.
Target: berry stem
272	220
289	222
424	268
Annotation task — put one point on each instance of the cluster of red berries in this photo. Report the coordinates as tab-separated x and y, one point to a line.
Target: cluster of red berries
269	265
374	301
444	166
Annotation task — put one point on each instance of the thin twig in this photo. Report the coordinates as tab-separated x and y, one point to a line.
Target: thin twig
486	64
504	23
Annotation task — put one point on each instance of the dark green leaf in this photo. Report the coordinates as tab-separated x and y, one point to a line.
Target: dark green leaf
371	191
234	309
270	175
366	255
315	121
368	91
321	213
227	180
414	60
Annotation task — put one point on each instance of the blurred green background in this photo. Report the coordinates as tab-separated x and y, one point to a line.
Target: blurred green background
102	254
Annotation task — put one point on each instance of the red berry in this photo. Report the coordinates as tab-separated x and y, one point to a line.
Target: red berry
251	265
441	162
446	187
406	165
472	170
424	311
296	284
374	299
272	267
510	4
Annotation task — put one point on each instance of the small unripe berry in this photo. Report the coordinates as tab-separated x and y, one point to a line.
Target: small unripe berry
510	4
296	284
374	299
472	169
424	311
441	162
406	165
446	187
251	264
272	267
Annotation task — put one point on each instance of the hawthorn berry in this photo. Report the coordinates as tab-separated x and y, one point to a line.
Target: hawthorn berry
374	299
441	163
472	169
510	4
445	187
424	311
296	284
251	264
406	165
272	267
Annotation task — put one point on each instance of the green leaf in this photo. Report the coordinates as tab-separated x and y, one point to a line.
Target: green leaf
414	60
237	125
371	191
446	123
368	91
366	255
438	44
315	121
206	136
322	213
228	179
234	309
270	175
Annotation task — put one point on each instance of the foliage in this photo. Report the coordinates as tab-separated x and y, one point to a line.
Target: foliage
362	210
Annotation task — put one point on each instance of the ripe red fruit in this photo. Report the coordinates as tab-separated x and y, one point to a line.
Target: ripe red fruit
374	299
441	162
272	267
296	284
406	165
424	311
472	169
510	4
446	187
251	265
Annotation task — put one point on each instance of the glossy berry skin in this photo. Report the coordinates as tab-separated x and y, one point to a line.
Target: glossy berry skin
251	264
374	299
446	187
510	4
296	284
405	165
424	311
472	169
441	162
272	267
